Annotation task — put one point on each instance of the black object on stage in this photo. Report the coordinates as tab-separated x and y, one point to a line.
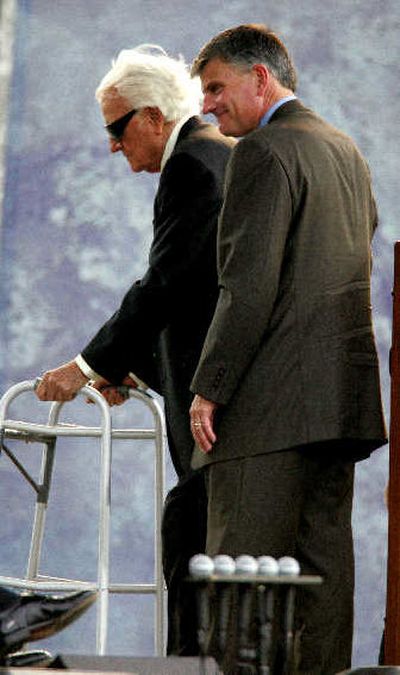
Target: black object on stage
255	585
170	665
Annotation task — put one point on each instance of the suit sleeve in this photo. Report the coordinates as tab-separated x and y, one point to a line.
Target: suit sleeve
252	242
186	205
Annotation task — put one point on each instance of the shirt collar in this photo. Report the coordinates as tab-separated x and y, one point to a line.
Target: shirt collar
171	142
266	118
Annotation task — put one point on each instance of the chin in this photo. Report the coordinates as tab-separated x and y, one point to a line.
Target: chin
227	129
135	168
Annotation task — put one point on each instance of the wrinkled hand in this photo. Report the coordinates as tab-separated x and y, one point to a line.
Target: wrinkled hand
202	414
61	384
112	394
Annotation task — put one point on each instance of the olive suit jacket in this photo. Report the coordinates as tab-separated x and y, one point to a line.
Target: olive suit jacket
159	329
290	354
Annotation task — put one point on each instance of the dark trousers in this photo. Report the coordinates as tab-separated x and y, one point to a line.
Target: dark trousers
183	535
295	503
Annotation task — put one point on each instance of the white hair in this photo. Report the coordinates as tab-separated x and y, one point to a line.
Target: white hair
147	76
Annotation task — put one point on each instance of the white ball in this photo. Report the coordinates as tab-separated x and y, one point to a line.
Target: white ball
201	565
288	566
246	564
224	565
267	565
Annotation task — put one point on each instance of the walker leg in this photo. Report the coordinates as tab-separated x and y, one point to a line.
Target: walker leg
40	510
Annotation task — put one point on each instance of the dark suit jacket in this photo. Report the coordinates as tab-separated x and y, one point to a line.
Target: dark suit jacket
159	329
290	353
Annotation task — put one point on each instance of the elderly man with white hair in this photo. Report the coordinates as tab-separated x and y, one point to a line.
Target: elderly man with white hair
150	106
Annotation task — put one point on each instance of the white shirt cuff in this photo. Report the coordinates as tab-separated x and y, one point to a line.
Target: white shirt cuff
86	369
92	375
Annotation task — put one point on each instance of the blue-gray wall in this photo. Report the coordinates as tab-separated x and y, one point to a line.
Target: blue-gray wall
76	229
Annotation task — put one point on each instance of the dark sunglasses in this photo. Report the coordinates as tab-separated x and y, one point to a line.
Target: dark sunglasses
116	129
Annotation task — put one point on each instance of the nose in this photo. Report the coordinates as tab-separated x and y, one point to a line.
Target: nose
208	104
115	146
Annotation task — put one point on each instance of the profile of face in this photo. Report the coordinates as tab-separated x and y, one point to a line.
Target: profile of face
137	135
234	95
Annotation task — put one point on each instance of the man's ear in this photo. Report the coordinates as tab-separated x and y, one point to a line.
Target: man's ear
156	117
263	77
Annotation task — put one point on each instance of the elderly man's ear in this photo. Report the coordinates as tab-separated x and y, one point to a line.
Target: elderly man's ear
155	117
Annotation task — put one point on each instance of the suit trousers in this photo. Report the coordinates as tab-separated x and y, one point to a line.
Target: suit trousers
296	503
183	535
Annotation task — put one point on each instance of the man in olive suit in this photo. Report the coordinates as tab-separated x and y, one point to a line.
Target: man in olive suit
287	387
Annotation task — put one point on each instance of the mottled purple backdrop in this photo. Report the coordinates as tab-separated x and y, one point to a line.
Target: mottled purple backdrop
76	230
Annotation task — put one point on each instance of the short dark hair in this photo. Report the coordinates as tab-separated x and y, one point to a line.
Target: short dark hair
246	45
